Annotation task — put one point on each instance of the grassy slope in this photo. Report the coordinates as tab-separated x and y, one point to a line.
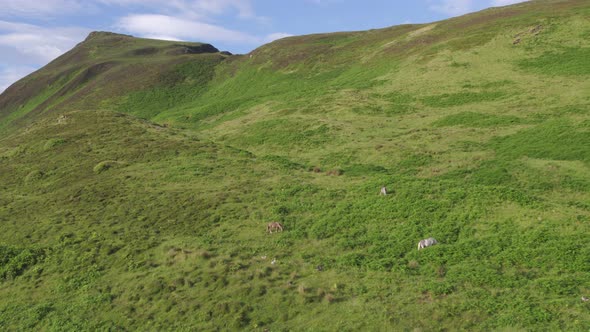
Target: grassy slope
482	142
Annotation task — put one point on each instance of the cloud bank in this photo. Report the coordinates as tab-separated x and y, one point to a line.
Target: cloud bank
12	74
27	44
36	8
174	28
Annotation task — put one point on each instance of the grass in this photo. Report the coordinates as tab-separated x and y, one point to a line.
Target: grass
332	227
461	98
553	140
570	61
475	120
175	87
146	208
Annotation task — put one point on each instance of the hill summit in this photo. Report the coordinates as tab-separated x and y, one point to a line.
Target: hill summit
104	66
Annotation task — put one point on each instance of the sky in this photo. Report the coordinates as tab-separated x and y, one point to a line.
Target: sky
34	32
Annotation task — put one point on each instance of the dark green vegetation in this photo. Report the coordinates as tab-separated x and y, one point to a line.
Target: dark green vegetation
137	178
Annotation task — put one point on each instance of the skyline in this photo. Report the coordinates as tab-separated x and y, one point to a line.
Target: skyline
33	34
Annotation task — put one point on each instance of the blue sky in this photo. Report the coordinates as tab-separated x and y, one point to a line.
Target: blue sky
33	32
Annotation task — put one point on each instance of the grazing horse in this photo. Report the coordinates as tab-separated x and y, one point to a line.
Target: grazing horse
427	243
274	226
383	191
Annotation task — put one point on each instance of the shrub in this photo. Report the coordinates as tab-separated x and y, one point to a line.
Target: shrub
14	261
302	290
478	120
462	98
34	176
53	142
335	172
329	298
106	165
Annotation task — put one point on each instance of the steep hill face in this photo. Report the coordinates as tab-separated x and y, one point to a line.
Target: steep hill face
104	67
137	178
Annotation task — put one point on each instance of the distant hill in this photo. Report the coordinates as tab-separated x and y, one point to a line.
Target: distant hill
138	176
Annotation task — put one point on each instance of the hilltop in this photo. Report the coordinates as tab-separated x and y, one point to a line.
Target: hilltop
138	176
104	67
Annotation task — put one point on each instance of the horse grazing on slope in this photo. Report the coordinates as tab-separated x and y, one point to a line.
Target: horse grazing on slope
274	226
427	243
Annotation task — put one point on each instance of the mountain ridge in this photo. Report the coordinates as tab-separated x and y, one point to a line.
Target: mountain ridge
416	38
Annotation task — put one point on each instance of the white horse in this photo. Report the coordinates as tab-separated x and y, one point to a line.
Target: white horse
427	243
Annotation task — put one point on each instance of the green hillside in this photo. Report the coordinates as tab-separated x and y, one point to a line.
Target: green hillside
138	176
104	67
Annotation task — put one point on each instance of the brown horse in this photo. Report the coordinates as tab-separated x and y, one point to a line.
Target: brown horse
274	226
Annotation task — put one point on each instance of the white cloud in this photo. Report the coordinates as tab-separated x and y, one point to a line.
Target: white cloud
31	45
26	44
10	75
26	47
202	10
36	8
217	7
277	35
460	7
453	7
323	2
195	9
498	3
175	28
